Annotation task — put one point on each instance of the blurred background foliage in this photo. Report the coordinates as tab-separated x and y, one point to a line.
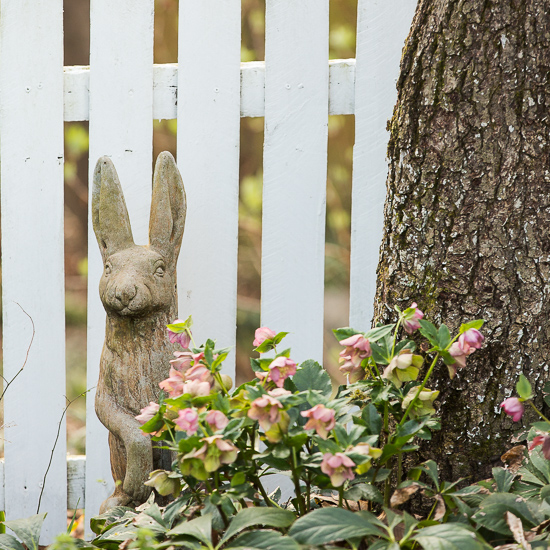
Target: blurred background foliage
343	14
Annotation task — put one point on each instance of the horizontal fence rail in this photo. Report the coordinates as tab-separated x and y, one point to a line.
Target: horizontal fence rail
165	90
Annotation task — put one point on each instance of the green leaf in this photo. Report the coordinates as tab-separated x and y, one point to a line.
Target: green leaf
181	327
199	528
8	542
523	387
449	536
375	334
379	354
100	523
372	419
312	376
344	332
333	524
477	324
238	479
364	491
27	529
541	464
503	479
429	331
263	540
444	336
491	513
272	517
388	451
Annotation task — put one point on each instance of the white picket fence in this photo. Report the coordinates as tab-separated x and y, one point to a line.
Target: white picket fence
121	93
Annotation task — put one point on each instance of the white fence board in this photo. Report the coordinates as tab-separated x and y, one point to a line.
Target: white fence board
121	126
31	126
295	172
377	70
208	157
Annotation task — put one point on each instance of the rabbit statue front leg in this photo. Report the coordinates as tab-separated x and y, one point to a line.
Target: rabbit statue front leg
131	453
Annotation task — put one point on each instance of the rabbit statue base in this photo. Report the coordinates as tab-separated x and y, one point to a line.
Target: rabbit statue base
138	291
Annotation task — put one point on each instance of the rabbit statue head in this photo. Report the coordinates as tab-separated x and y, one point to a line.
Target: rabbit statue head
138	291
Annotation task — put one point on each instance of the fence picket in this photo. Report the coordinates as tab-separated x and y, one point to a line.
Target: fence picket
208	157
377	69
31	125
121	126
295	171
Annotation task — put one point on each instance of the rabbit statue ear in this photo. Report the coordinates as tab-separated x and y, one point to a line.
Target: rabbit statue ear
168	208
109	213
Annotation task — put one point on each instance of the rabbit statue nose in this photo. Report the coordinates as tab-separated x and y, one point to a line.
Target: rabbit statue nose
126	293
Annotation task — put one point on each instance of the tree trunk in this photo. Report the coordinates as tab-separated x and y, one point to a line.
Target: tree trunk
467	218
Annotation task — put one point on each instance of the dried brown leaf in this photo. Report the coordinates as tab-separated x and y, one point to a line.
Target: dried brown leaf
514	457
515	525
440	509
400	496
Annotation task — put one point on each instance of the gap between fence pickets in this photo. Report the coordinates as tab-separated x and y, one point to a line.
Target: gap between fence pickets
165	90
76	477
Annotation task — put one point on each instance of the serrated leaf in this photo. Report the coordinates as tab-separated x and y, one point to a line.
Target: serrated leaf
270	517
379	354
312	376
364	491
332	524
449	536
27	529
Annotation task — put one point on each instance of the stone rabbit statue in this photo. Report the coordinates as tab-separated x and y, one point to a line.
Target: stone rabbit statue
138	291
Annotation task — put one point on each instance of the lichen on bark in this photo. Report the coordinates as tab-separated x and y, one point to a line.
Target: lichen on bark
467	214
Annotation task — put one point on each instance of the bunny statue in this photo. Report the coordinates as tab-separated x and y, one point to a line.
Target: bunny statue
138	291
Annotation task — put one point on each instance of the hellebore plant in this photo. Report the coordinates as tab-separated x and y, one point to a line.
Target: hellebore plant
289	419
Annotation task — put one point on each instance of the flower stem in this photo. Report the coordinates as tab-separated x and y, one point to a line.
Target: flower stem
296	479
411	404
395	336
218	379
538	412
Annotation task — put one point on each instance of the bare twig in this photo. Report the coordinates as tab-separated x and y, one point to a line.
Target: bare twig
26	357
55	443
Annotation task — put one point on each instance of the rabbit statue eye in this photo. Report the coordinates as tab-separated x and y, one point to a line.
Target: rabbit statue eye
108	268
159	270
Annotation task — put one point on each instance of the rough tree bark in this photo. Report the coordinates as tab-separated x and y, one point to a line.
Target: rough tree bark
467	217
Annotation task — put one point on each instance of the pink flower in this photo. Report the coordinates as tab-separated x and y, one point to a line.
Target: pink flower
471	340
467	343
357	349
543	440
280	369
279	392
148	412
321	420
174	384
182	338
217	419
182	361
262	334
338	467
199	372
195	388
513	407
410	321
215	452
188	421
266	410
